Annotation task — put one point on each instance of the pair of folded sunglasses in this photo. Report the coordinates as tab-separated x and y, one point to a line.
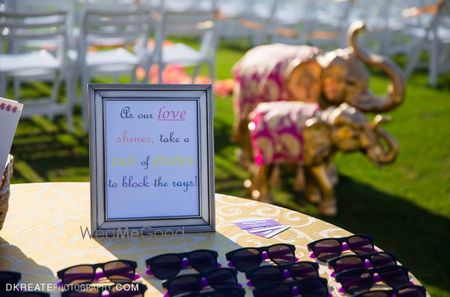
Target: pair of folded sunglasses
266	274
219	292
13	278
329	248
374	260
308	287
361	279
116	271
245	259
115	290
406	291
169	265
219	277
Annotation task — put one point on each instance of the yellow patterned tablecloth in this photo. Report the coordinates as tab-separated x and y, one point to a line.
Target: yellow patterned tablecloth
43	233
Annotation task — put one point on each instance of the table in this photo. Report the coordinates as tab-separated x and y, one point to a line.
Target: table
43	233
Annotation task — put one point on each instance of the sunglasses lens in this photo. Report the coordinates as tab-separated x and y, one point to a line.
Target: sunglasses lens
222	277
412	291
303	270
327	249
203	260
119	271
355	280
90	292
360	244
377	293
266	274
183	284
31	294
394	276
8	278
127	290
246	259
313	287
281	254
166	266
348	262
379	260
273	290
228	292
79	275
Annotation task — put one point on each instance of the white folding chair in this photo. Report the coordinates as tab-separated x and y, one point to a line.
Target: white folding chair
181	5
433	38
193	24
393	39
112	43
293	21
22	35
229	20
329	28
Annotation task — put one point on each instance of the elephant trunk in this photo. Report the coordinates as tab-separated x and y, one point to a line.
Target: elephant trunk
396	89
388	155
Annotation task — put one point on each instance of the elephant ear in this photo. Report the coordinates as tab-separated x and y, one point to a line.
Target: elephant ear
317	141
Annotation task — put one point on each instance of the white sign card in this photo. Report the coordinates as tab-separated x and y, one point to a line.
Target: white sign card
10	112
151	158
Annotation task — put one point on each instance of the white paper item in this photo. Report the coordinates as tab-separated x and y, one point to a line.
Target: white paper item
10	112
272	233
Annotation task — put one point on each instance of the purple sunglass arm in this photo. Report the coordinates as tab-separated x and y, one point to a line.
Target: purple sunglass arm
345	246
148	271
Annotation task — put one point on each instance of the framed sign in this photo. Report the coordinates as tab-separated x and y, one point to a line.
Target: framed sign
151	158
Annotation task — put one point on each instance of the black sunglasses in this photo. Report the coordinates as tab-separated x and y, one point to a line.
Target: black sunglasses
13	278
117	271
375	260
266	274
329	248
25	294
220	292
169	265
406	291
308	287
360	279
245	259
116	290
8	278
195	282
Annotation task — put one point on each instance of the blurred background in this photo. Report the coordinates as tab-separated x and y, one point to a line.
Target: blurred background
50	50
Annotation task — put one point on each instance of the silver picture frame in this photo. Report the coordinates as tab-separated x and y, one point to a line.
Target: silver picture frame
101	226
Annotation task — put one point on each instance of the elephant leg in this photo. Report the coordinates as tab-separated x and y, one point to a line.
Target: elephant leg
328	203
299	184
332	173
275	177
246	153
261	190
313	193
235	137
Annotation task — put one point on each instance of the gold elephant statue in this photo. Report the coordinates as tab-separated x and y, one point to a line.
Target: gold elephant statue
307	136
281	72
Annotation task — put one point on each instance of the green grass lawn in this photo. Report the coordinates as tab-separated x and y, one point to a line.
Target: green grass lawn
404	206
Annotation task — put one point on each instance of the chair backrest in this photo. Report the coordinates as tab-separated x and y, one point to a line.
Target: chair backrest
112	4
233	8
108	26
190	24
295	11
181	5
20	30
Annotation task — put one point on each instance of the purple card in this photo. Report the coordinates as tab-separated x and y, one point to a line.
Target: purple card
256	223
272	232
